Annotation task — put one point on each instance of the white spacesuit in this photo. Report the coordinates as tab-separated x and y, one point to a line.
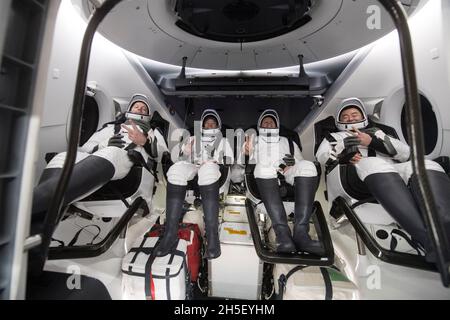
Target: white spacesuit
384	154
270	149
384	167
200	156
102	158
274	155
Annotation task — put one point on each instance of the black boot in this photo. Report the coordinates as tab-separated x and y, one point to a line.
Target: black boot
38	217
440	187
392	193
270	195
210	202
37	256
49	173
305	191
174	208
87	175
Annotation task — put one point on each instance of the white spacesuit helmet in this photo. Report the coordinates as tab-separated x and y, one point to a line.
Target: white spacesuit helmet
269	135
139	117
355	103
210	135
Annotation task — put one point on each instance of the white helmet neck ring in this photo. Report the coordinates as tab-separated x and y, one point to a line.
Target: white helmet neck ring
351	103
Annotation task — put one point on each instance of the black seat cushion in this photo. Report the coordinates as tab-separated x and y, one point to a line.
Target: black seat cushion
250	181
444	162
321	131
166	163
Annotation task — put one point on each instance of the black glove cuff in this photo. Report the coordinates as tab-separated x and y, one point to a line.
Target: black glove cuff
351	142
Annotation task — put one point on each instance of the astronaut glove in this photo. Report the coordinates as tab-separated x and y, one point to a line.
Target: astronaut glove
351	141
344	150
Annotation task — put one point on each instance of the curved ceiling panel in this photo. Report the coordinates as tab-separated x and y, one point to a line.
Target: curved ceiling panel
152	29
241	21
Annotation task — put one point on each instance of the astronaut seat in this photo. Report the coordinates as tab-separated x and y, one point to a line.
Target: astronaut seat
350	198
286	190
89	219
115	197
257	208
99	210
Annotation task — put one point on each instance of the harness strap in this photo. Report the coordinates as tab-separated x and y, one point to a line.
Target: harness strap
77	235
411	242
282	281
291	146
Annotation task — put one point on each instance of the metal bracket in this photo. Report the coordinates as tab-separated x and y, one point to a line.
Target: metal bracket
32	242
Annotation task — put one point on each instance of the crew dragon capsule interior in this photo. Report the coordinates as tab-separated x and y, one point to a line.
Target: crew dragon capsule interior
137	158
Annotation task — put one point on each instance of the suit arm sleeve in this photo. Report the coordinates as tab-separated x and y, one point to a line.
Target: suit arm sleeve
98	140
390	146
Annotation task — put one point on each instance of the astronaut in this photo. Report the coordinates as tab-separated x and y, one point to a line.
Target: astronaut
201	155
103	157
382	163
273	156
